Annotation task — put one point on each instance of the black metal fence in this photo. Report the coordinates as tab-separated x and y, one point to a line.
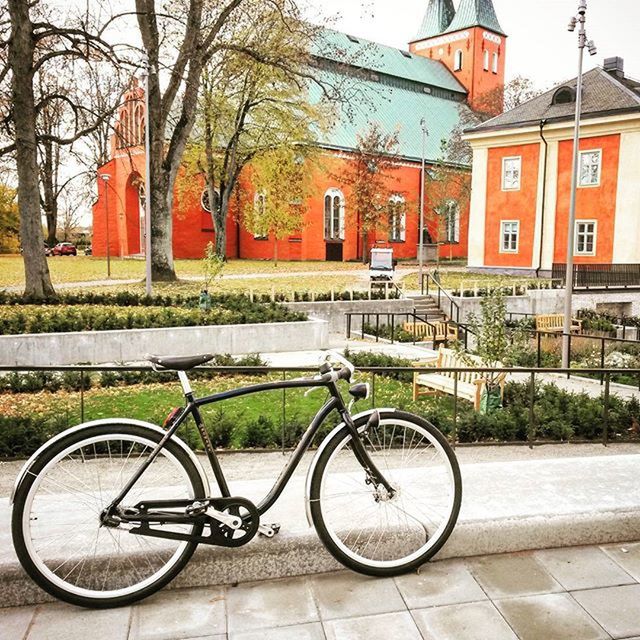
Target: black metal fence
377	376
390	327
600	276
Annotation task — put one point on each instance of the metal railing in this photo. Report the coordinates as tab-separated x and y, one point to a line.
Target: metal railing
600	276
375	374
376	325
428	283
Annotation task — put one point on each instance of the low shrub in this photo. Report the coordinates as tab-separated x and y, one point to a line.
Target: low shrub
58	319
371	359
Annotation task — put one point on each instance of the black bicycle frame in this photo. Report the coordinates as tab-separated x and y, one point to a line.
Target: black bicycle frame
193	409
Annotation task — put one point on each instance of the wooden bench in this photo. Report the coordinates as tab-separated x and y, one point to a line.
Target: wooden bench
438	332
470	384
554	323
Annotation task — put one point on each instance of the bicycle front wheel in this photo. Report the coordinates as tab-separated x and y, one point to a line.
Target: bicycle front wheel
366	528
57	531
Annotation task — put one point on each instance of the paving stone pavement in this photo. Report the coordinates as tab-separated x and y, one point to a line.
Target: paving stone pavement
577	593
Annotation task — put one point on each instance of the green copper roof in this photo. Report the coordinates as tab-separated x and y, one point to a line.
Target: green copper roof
358	52
476	13
394	109
436	20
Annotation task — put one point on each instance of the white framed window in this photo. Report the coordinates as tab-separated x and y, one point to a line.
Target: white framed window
457	60
205	201
451	214
590	167
586	236
334	206
486	60
397	219
495	63
511	172
509	236
259	206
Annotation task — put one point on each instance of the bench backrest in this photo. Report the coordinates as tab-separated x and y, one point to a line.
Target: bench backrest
447	358
555	321
431	331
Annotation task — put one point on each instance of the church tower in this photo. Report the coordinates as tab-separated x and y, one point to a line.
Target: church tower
471	42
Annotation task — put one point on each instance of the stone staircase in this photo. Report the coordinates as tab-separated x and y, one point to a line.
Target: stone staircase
427	307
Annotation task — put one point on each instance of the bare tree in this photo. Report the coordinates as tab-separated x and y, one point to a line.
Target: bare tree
38	38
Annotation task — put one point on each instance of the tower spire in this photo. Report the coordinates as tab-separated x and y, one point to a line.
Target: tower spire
476	13
437	18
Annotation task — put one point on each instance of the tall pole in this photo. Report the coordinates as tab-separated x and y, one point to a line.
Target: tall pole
580	21
105	177
423	126
147	183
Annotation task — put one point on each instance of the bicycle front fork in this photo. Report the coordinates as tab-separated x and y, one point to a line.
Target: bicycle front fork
373	473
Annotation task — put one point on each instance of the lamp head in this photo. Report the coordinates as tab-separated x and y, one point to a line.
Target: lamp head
591	45
572	24
582	7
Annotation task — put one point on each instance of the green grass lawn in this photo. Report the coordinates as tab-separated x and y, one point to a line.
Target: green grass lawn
86	269
454	279
153	402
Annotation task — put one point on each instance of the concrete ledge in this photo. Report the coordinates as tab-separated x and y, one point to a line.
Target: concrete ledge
97	347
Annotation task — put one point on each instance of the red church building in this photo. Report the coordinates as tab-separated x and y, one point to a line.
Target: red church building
454	59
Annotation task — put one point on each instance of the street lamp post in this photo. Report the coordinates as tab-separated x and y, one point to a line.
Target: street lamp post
578	20
106	177
425	133
147	182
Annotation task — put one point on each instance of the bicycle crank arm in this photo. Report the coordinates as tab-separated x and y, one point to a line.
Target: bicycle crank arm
233	522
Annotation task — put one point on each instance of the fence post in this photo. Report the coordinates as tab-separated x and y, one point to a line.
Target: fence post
605	416
602	349
454	432
348	326
373	389
82	396
539	358
362	325
393	328
284	411
532	416
377	327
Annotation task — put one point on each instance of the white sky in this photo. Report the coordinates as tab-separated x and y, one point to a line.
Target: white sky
539	45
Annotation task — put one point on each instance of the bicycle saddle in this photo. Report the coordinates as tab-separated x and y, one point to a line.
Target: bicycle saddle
179	363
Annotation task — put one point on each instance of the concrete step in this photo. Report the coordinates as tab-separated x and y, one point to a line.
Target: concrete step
506	507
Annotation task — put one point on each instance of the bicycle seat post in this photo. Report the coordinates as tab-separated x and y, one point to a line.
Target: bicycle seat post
186	385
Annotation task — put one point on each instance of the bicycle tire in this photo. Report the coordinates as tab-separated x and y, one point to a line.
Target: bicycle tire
335	469
39	486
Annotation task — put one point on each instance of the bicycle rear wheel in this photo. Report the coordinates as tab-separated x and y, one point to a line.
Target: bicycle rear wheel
56	527
364	527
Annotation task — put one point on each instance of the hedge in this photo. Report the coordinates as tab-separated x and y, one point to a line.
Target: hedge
58	319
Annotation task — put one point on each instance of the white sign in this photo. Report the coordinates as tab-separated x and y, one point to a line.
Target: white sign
491	37
437	42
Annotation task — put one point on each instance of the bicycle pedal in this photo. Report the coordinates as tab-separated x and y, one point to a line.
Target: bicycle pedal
268	530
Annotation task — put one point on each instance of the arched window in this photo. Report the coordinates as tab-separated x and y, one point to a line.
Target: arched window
205	200
259	207
451	220
397	219
334	215
457	60
564	95
486	60
495	63
139	126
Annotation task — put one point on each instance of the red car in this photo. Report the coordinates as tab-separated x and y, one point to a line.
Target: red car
64	249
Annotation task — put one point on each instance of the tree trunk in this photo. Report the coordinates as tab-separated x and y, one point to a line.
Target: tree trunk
365	248
21	51
219	216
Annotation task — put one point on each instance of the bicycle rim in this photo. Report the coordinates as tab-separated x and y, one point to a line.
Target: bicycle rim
60	520
378	531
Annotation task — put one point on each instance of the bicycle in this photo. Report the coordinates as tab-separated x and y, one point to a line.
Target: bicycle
110	511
